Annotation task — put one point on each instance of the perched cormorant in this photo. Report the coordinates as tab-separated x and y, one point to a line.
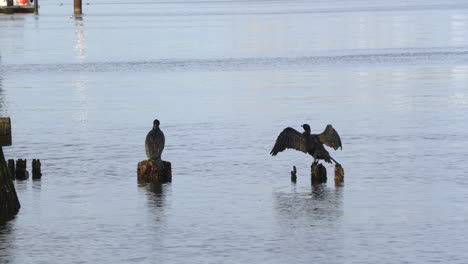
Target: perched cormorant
308	143
154	143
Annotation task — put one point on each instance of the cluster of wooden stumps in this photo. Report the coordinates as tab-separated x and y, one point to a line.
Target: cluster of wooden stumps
9	203
318	174
20	171
150	171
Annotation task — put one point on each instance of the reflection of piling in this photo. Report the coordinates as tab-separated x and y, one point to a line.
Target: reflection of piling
154	171
36	169
77	7
11	167
339	175
318	173
21	172
293	175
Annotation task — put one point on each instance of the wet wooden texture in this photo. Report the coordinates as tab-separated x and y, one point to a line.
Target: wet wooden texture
154	171
9	203
339	175
36	169
5	131
21	172
77	7
294	175
11	167
318	173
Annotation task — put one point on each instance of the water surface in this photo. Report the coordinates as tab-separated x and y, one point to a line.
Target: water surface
224	78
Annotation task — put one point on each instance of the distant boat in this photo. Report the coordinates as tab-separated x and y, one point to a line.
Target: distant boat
16	6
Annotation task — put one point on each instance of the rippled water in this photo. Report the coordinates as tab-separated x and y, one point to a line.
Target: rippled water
224	78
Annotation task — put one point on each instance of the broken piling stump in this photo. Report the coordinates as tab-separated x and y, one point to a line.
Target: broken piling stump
339	175
21	172
11	167
154	171
293	175
318	173
36	169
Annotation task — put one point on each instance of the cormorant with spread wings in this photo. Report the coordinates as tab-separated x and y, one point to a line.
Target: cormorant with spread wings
308	143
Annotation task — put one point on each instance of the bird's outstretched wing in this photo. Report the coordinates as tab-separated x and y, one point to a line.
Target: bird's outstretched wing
330	137
289	138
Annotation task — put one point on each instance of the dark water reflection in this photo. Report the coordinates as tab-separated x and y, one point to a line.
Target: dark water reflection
323	205
312	222
156	193
7	236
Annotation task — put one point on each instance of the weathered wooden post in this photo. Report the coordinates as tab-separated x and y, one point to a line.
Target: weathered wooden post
36	169
293	175
339	175
21	172
9	203
11	167
318	174
5	131
36	7
77	7
154	171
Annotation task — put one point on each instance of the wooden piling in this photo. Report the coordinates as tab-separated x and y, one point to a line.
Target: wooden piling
293	175
11	167
36	169
36	7
318	174
339	175
78	10
5	131
154	171
21	172
9	203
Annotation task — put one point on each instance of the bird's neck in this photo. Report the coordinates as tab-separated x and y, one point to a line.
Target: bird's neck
155	127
